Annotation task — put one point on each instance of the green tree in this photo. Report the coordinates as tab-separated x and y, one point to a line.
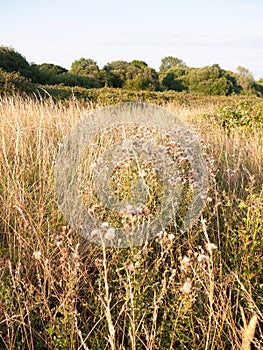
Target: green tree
138	64
115	73
84	66
12	61
245	79
174	78
170	62
51	74
69	79
170	82
51	68
48	73
210	80
141	77
87	67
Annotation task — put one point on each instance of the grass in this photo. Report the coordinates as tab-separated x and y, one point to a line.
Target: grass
200	290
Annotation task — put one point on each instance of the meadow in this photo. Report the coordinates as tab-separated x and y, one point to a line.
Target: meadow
198	290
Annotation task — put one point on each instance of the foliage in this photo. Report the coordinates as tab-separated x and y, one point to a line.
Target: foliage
141	77
51	68
243	114
135	75
211	80
108	96
48	73
12	83
170	62
170	82
174	79
69	79
12	61
86	67
245	79
116	73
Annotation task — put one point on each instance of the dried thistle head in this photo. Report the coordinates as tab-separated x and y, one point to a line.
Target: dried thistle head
187	286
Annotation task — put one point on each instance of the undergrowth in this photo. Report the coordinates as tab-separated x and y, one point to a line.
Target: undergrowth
196	290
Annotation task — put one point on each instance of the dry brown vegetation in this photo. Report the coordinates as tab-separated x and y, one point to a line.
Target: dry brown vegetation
193	291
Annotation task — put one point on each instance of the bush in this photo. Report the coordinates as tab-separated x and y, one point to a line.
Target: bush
13	83
12	61
211	80
171	82
244	114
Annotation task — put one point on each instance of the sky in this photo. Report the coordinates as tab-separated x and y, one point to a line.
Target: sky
200	32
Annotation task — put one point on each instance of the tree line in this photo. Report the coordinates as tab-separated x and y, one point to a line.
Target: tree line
17	74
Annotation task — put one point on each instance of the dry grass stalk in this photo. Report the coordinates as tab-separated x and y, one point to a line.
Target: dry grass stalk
52	298
249	332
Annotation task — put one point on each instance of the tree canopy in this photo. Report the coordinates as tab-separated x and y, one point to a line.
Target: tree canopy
136	75
12	61
170	62
84	66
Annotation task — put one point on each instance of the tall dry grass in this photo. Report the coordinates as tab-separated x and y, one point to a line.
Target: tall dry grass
192	291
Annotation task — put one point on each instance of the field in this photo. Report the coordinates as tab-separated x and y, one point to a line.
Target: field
198	290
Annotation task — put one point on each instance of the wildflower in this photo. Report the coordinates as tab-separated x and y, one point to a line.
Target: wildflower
99	160
210	247
110	234
137	264
202	258
171	236
173	273
63	251
131	267
187	286
98	263
159	234
105	225
189	252
129	208
142	173
95	233
59	243
75	255
185	263
37	255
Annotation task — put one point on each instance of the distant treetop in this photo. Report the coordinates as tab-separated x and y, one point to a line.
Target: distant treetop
174	74
170	62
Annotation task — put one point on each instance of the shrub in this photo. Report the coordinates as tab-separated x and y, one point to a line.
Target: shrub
244	114
12	61
13	83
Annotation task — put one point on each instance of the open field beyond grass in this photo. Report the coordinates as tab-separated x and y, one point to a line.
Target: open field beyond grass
198	290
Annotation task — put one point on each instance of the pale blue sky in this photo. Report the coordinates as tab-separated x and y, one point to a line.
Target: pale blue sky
200	32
